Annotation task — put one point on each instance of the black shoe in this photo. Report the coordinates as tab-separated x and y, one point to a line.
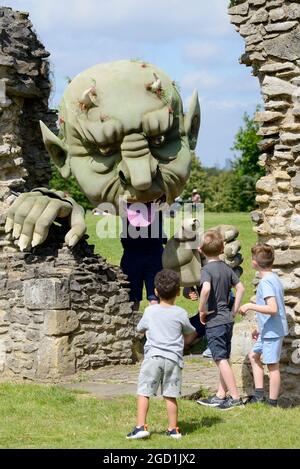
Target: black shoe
255	400
212	401
272	404
231	403
138	433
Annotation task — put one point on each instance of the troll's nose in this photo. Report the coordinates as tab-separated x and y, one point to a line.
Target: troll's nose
138	165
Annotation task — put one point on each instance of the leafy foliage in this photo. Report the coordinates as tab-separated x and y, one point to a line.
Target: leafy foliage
246	166
70	186
231	190
197	180
246	142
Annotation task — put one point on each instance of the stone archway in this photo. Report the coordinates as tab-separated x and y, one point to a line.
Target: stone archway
271	29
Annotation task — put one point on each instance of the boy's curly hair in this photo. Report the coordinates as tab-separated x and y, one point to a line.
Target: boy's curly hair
167	284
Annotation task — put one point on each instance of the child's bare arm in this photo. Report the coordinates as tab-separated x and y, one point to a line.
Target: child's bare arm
240	290
205	291
270	308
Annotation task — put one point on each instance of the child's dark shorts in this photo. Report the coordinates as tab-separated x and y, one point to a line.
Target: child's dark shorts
219	341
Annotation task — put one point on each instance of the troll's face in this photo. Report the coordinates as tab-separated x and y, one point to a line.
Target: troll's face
123	134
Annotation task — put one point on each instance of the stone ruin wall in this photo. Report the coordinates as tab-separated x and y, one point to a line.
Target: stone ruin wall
61	310
271	29
24	92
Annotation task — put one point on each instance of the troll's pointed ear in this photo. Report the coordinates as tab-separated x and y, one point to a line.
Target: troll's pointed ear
57	151
192	121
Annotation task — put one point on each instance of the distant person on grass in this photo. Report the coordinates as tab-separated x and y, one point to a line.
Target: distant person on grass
272	325
165	326
217	280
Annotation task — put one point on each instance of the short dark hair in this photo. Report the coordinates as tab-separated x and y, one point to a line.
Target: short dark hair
263	254
167	284
213	244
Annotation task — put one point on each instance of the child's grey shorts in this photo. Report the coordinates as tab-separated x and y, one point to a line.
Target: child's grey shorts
157	371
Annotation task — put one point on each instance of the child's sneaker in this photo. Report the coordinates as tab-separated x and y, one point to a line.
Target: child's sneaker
207	353
174	433
138	433
231	403
255	400
212	401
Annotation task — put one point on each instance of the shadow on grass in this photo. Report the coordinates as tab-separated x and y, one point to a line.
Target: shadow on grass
196	425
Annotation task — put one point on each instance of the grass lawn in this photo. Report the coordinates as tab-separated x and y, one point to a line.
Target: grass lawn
111	249
33	416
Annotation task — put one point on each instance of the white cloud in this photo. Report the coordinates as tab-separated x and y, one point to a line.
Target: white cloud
151	20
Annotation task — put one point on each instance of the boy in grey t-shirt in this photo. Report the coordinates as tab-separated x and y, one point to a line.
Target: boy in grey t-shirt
216	280
165	325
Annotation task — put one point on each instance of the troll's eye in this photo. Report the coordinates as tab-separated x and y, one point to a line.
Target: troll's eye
107	150
157	141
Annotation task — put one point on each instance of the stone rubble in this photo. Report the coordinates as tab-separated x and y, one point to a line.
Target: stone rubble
62	311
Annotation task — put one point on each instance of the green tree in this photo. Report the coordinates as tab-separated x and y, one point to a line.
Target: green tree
246	142
221	197
70	186
197	180
245	166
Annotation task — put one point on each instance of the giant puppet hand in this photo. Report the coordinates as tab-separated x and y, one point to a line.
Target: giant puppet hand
31	215
232	247
181	252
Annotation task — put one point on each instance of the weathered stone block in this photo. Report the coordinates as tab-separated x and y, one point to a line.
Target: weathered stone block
290	283
241	9
295	224
42	294
281	26
260	16
273	86
60	322
286	46
55	358
278	14
293	11
265	184
287	257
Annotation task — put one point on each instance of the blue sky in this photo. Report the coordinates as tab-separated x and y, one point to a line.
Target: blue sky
192	40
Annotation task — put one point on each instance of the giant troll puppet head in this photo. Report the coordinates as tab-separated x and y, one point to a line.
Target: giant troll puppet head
123	134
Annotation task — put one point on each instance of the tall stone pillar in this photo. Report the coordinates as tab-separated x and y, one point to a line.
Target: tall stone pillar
271	29
24	92
61	311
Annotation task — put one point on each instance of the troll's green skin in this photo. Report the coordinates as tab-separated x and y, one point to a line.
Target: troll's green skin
122	134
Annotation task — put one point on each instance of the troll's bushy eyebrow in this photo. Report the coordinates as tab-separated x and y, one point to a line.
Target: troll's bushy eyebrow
158	122
101	133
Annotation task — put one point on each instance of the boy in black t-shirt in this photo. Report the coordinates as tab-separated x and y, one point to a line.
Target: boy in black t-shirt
217	279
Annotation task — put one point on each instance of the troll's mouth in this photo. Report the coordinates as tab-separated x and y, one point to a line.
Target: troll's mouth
141	214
